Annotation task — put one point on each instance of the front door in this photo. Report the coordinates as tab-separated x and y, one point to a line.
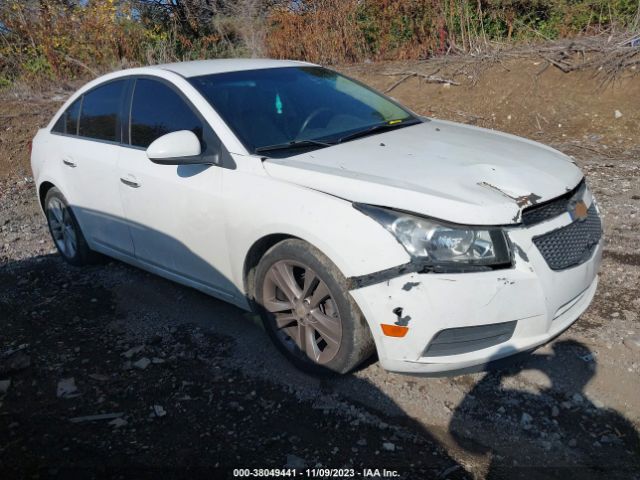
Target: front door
175	212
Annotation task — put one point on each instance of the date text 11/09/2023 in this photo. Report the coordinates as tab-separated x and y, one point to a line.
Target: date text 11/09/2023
315	473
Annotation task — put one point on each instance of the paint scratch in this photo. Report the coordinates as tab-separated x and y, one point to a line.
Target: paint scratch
409	285
522	201
402	321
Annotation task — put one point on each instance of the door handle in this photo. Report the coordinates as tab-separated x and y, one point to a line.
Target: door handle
130	183
69	163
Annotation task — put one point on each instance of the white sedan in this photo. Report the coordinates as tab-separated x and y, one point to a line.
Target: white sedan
349	223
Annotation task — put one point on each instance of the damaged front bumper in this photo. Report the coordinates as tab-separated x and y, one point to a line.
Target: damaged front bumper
457	321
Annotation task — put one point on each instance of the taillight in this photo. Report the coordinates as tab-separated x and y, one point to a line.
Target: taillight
30	147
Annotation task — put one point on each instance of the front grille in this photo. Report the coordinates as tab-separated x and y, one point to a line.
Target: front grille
573	244
553	208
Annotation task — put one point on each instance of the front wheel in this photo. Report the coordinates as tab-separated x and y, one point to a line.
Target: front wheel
65	231
307	310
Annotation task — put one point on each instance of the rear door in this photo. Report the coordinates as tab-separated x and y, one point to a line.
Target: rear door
90	134
175	212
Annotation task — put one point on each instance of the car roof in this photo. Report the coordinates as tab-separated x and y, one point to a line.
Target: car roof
206	67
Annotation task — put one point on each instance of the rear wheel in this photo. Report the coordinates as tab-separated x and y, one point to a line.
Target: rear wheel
307	310
65	231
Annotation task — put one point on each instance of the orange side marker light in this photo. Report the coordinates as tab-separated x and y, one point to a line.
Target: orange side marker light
394	330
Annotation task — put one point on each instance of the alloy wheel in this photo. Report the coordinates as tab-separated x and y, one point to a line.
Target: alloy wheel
306	317
62	227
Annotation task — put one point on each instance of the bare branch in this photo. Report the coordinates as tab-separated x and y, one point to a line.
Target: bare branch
427	78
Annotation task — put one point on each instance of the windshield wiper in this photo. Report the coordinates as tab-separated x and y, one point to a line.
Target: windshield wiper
377	128
292	145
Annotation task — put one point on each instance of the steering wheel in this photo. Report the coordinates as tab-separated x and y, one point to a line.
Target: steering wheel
311	117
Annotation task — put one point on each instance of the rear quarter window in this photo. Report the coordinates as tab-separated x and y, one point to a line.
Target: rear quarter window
68	121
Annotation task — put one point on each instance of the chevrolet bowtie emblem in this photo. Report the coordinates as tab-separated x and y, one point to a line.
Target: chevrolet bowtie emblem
580	211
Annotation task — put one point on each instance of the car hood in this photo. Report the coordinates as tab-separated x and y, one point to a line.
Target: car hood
445	170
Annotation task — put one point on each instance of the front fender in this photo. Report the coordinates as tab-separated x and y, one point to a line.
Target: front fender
259	206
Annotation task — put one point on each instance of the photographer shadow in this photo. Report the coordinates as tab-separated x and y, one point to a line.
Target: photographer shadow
549	433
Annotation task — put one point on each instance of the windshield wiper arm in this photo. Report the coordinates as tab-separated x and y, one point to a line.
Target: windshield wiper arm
293	144
376	128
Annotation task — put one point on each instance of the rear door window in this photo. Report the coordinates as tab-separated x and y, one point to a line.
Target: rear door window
99	116
157	109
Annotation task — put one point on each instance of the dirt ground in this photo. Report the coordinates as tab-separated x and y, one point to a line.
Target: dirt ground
191	385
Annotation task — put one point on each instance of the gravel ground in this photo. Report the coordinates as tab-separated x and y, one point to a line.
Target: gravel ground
191	386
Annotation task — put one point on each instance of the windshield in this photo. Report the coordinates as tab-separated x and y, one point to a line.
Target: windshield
287	110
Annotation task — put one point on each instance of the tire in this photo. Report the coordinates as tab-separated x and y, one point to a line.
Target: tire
65	231
302	297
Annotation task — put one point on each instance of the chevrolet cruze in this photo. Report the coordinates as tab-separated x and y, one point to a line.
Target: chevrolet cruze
349	223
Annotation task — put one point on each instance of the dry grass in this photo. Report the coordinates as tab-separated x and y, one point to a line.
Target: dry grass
330	32
46	42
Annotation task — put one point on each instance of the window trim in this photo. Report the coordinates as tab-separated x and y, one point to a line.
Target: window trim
216	144
124	111
119	117
78	119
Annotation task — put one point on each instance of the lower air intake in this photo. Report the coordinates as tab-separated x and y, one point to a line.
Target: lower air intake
454	341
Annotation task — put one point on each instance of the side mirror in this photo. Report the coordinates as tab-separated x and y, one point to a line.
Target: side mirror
176	148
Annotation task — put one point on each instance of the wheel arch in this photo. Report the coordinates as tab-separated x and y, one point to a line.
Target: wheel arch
43	189
255	254
363	347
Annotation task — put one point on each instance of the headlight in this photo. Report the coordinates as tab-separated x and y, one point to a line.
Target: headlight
437	242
